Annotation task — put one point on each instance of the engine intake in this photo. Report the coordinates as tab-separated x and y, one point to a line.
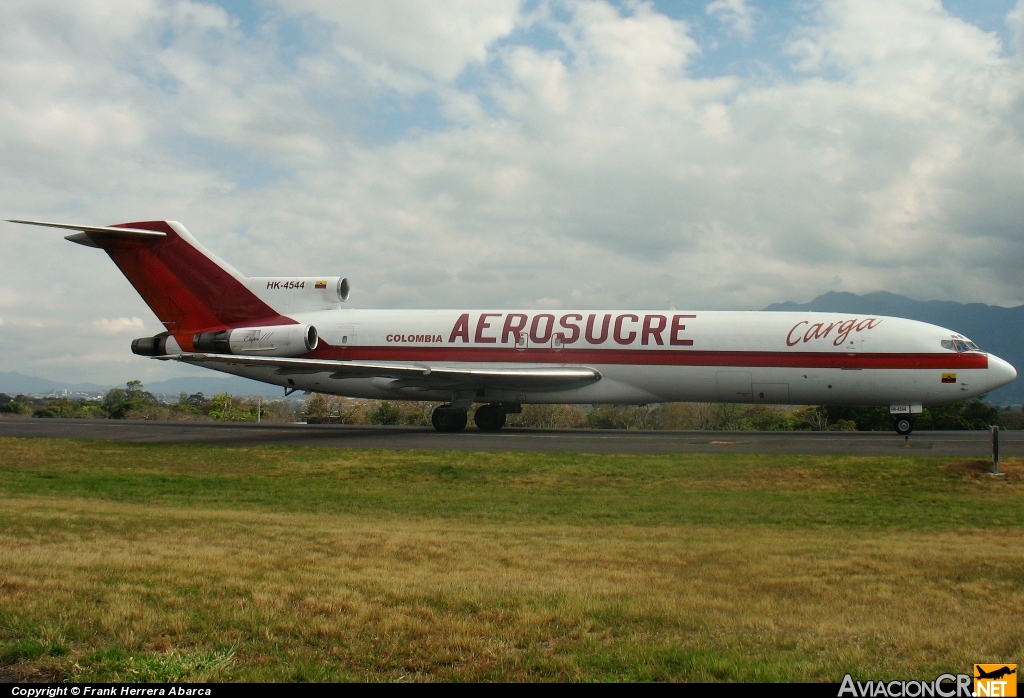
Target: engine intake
275	340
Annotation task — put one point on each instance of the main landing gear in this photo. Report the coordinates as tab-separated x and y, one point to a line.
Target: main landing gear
448	420
489	417
903	425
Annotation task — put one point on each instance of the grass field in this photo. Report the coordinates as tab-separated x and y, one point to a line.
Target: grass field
142	562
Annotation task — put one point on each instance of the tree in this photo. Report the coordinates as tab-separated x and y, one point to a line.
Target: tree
767	418
815	418
549	417
866	418
280	411
725	416
133	398
113	398
318	408
599	417
641	417
964	415
680	416
386	413
196	402
20	405
1010	418
61	407
225	408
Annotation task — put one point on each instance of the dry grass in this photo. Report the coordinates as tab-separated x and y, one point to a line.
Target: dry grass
283	596
1011	469
121	562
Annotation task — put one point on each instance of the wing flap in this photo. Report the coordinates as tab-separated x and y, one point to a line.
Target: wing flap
414	375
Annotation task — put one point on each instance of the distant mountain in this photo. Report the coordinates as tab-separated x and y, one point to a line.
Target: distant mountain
994	328
233	385
15	383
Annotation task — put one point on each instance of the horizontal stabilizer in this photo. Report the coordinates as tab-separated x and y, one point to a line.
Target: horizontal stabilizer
188	288
413	374
127	232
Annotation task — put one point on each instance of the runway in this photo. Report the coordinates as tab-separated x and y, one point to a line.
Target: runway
969	444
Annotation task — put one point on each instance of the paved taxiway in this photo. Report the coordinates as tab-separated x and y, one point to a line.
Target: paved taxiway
972	444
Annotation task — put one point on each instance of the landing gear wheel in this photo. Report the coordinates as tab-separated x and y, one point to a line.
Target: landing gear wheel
448	420
903	425
489	417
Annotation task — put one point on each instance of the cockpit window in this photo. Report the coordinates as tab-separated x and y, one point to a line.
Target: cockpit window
960	345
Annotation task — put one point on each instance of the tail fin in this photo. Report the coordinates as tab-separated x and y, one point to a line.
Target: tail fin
188	288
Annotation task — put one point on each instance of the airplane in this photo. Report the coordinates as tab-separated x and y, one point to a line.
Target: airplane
994	674
295	332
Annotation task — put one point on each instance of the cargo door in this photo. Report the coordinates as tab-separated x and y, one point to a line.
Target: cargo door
733	386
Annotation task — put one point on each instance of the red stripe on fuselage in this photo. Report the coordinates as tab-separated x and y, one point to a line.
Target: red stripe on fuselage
656	357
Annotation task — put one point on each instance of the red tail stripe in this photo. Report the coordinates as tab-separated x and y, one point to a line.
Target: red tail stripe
187	290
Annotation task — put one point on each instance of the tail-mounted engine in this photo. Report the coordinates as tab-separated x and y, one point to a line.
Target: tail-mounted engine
296	293
276	340
160	345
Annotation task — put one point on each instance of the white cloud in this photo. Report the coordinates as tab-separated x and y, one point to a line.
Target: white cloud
738	15
24	322
586	169
118	325
1015	21
435	39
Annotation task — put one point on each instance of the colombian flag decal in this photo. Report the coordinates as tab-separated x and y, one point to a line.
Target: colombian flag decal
323	284
949	378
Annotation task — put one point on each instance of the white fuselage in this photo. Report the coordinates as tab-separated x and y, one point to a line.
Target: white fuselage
658	356
294	332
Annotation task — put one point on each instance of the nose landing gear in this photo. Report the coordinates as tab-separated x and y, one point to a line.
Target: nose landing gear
903	425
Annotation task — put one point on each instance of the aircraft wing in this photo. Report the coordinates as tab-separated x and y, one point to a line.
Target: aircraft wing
414	374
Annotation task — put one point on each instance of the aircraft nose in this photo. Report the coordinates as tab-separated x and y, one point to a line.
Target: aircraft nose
1000	372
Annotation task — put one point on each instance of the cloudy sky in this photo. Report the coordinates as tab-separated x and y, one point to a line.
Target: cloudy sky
720	154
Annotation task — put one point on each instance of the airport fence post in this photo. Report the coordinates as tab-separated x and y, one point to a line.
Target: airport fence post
995	449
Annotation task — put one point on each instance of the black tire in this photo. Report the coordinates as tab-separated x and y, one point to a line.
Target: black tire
448	420
903	425
489	417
